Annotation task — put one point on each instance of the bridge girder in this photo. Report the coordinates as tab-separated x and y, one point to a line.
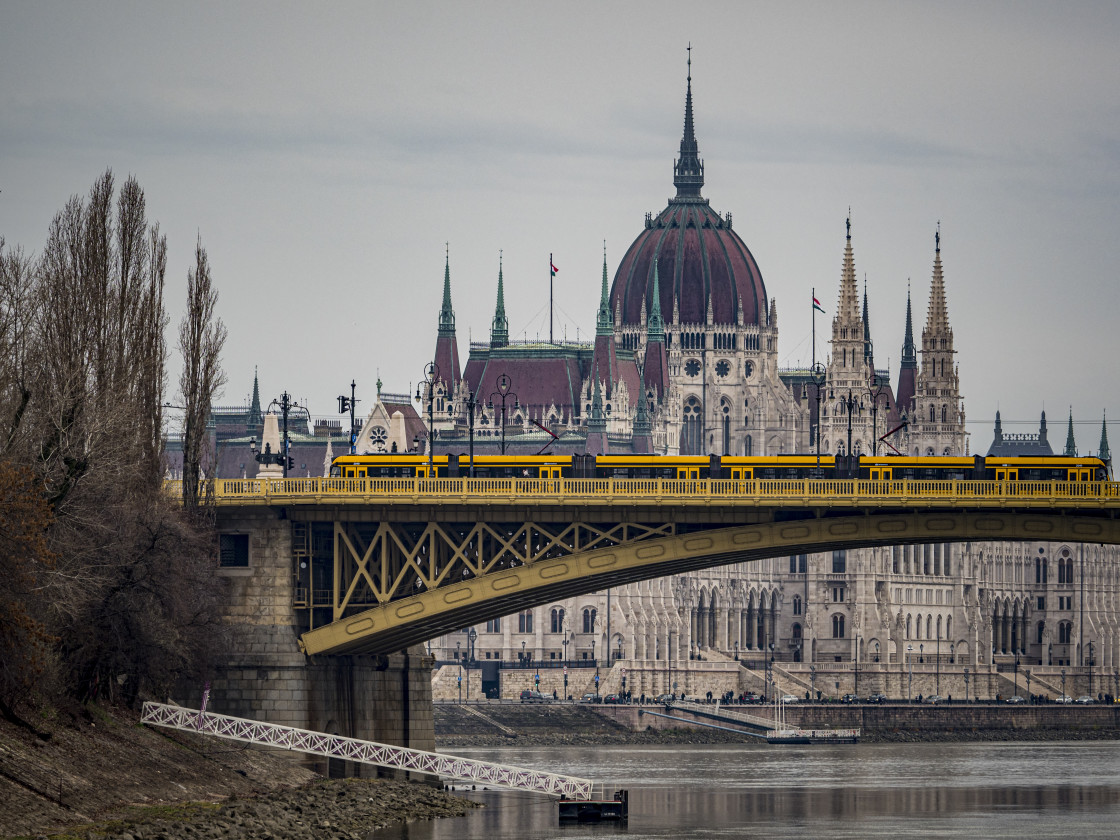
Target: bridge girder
538	563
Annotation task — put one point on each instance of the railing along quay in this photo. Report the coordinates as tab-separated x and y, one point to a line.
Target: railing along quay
784	492
368	752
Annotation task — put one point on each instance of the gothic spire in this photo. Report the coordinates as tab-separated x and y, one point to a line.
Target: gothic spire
937	319
909	352
1071	444
847	311
604	322
446	313
499	328
688	169
655	326
867	348
256	418
1105	454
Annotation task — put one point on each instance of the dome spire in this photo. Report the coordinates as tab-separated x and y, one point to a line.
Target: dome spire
688	169
499	329
656	324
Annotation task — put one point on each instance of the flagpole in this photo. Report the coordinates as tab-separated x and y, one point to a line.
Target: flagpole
551	274
814	326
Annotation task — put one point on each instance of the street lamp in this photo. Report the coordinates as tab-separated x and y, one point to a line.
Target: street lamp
937	668
818	374
596	661
431	377
1063	683
851	405
875	388
910	663
459	659
813	680
524	664
349	404
855	676
1028	673
966	684
876	652
1016	673
1090	667
284	458
504	384
471	403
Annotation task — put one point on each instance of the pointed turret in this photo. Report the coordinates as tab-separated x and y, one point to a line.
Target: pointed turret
1042	430
867	348
446	356
1104	454
908	370
256	417
1071	444
499	328
937	335
688	169
998	436
847	325
655	369
604	322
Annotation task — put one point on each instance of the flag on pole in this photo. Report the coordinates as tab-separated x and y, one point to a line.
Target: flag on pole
553	267
817	305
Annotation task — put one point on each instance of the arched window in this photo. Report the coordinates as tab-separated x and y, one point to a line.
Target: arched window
944	414
494	625
748	446
726	429
797	605
589	620
1064	629
525	621
556	625
1041	630
949	628
909	626
932	415
691	443
929	626
838	626
938	627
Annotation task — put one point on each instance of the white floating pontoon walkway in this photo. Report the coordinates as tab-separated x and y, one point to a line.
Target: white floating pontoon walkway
367	752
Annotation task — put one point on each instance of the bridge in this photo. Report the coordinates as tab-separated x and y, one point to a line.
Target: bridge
391	562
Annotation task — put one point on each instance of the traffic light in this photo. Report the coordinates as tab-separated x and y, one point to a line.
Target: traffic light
537	680
596	679
291	462
343	405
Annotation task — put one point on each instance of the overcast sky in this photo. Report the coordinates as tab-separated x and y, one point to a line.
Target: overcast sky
327	152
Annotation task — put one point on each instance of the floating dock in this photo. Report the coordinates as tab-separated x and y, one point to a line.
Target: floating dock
596	810
812	736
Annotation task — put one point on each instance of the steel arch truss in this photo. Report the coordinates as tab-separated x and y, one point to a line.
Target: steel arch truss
543	563
378	563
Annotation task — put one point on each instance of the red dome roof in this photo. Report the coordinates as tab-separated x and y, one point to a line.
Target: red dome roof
699	257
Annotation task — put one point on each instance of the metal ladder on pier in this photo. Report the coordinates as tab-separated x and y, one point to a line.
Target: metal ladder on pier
368	752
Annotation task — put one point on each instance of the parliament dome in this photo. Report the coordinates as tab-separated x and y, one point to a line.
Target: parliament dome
699	257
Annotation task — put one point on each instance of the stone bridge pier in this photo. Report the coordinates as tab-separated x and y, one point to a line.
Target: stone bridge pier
385	698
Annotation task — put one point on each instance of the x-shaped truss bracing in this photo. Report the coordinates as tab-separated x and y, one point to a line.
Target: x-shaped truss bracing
378	564
367	752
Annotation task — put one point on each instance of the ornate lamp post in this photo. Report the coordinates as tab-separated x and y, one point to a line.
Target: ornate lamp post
852	406
459	659
813	680
1028	673
855	680
596	661
1016	673
1090	667
431	377
287	406
503	393
1063	683
937	668
966	684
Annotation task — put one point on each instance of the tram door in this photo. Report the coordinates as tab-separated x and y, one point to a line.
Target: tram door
880	473
1006	474
742	475
422	471
552	473
1079	475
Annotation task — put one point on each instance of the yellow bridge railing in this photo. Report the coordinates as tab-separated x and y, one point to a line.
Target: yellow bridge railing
766	492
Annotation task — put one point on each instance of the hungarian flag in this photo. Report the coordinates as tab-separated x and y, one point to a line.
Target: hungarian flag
817	305
553	267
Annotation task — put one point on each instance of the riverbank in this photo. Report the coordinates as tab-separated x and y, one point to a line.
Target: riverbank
562	724
101	774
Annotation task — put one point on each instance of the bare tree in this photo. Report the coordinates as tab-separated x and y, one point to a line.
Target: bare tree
201	338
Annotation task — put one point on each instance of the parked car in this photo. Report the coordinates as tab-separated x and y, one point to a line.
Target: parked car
1015	699
530	696
877	698
851	698
751	697
1085	699
589	698
1063	698
664	698
612	699
934	699
789	698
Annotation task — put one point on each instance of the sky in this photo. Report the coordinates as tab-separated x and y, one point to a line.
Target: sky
330	155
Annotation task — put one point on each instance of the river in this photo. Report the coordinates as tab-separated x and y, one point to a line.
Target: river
930	790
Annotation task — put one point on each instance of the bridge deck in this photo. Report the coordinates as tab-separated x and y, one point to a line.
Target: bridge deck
799	492
368	752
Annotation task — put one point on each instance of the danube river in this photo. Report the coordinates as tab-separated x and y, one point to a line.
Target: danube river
943	790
